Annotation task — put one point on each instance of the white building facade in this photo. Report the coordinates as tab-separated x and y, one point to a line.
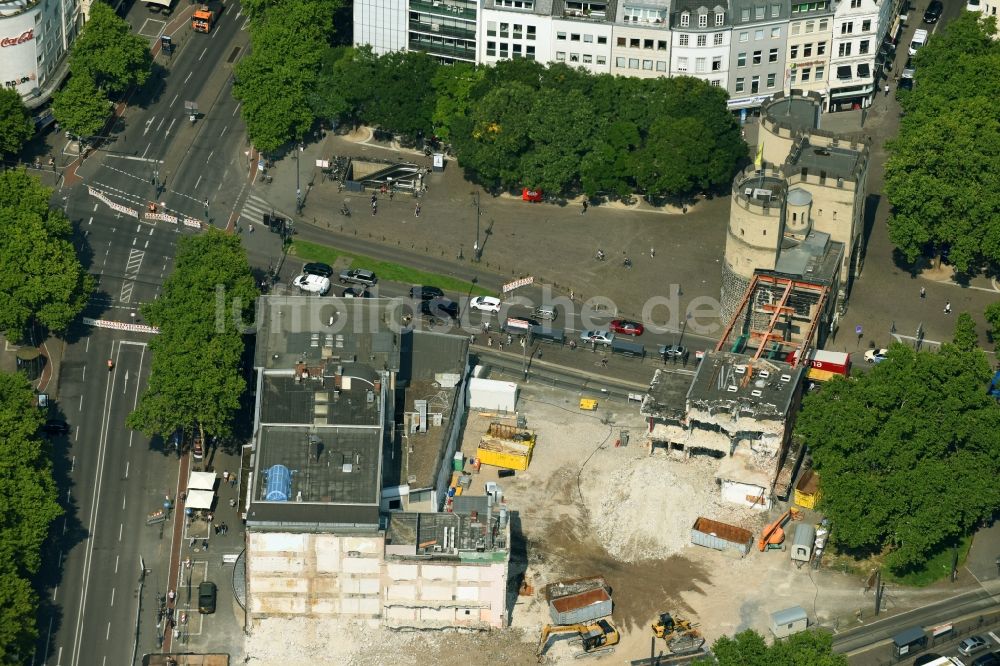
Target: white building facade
757	58
810	35
700	42
641	39
856	60
35	36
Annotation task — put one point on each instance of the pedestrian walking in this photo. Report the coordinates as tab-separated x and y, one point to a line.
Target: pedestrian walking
416	211
652	253
510	339
171	595
192	542
217	529
374	208
585	206
251	227
232	480
489	341
225	476
604	362
947	307
225	528
886	89
204	544
923	293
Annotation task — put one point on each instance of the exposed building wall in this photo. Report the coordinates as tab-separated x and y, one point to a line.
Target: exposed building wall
432	595
292	574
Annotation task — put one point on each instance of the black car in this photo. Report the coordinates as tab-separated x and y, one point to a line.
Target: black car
207	593
926	659
441	308
988	659
422	293
904	84
318	268
355	292
933	12
55	427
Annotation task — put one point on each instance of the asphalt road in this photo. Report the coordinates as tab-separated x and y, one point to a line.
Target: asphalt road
116	477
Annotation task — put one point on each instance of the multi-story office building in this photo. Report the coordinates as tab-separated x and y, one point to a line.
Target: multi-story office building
757	57
445	29
857	56
810	34
641	39
35	36
583	33
700	43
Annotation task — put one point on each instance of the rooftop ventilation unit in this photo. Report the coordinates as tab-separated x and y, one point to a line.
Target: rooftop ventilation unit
755	393
764	374
732	388
786	378
740	369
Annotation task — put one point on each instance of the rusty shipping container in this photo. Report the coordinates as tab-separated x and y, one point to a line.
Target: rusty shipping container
579	600
720	536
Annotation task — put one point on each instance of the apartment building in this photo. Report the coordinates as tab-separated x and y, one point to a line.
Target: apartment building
810	35
700	41
35	38
445	29
757	57
860	50
641	39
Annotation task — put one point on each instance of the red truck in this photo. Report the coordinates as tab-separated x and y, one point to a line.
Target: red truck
824	364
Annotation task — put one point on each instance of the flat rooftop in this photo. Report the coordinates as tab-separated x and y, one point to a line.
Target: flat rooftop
348	395
309	329
473	525
816	258
666	396
732	383
833	161
798	113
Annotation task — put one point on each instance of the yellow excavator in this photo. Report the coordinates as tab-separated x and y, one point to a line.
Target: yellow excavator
680	635
597	638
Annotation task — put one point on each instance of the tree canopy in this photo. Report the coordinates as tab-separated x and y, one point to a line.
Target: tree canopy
195	381
748	648
80	107
908	452
943	173
109	52
41	278
29	507
15	122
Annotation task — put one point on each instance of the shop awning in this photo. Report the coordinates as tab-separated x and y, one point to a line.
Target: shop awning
202	481
864	70
844	72
199	499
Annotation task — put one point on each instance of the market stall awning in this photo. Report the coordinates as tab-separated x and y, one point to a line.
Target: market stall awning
199	499
202	481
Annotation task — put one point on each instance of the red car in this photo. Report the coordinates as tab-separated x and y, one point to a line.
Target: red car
626	327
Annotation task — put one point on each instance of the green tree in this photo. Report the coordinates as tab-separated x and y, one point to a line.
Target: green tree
748	648
453	96
552	162
80	107
404	101
41	279
908	453
499	136
943	172
15	122
29	509
110	53
992	314
194	380
966	337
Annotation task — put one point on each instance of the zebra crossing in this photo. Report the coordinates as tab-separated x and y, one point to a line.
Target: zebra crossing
131	274
255	208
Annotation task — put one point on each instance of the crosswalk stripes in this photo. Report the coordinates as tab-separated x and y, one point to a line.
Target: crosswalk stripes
254	209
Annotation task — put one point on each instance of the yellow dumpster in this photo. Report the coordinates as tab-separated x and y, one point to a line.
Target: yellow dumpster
588	404
807	491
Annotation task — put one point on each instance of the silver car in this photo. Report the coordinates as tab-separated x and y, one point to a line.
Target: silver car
597	337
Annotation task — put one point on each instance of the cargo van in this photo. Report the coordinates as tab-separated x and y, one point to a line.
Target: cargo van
545	334
919	39
627	348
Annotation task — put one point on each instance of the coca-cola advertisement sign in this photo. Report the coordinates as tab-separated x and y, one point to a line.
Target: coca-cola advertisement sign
25	36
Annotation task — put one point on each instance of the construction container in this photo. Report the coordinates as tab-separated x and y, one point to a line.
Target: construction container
807	491
803	542
789	621
506	446
720	536
579	600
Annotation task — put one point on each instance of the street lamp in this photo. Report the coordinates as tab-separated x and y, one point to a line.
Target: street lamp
476	249
298	187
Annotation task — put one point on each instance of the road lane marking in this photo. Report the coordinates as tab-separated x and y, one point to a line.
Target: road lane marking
121	530
148	146
160	124
116	562
197	182
148	123
199	58
237	108
107	632
188	76
223	132
112	597
80	408
167	133
210	156
176	95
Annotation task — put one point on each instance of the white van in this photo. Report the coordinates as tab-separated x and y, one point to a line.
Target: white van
919	39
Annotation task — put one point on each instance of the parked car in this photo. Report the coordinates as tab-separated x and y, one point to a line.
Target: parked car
988	659
919	39
441	308
972	645
933	12
314	284
928	658
318	268
359	276
55	427
908	69
626	327
207	595
420	293
355	292
672	351
876	355
485	304
597	337
973	6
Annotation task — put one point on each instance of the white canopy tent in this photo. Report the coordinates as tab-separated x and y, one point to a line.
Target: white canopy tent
199	499
202	481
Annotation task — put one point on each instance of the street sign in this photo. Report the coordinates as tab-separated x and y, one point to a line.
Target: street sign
323	164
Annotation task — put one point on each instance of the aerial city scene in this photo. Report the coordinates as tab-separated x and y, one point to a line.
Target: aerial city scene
500	332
